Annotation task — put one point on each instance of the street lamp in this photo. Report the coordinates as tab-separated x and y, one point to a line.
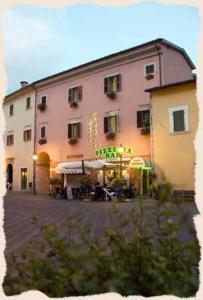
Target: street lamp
34	157
120	151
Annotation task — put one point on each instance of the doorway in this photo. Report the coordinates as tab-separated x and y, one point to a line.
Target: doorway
43	173
10	173
23	176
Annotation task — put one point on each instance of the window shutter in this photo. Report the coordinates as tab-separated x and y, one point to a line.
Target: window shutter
178	120
117	123
69	95
106	127
79	129
146	118
11	110
29	134
149	69
118	82
24	135
43	132
44	100
80	93
139	119
7	140
106	85
69	131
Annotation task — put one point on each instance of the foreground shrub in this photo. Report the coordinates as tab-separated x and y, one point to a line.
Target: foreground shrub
142	256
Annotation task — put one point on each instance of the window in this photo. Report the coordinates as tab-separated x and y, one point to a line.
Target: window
149	69
43	132
28	103
112	84
27	135
111	123
178	119
143	118
11	110
74	130
75	94
44	100
10	139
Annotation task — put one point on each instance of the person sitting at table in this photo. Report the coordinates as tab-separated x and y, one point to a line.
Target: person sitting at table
99	192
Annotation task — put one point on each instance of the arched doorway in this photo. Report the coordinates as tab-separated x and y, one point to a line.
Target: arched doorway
42	173
10	173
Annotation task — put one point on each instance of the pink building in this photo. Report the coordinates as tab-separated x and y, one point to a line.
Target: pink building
113	88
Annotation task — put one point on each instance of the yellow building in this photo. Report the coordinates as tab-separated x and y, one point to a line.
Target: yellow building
174	114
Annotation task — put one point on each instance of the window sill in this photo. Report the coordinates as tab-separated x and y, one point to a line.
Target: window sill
28	108
181	132
112	94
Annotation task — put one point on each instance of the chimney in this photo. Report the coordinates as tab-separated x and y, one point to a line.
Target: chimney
23	83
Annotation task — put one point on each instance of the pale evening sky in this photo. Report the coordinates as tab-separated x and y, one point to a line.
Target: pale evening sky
40	42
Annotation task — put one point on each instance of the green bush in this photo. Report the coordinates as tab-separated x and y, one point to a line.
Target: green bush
151	260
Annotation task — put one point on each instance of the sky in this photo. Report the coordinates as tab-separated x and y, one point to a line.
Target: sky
39	42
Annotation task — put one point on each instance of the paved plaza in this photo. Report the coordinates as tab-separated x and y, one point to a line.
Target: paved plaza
21	207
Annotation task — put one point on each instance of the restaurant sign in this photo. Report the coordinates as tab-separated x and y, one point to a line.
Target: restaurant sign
74	156
136	163
112	152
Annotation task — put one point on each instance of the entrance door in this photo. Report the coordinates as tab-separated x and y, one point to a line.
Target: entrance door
23	173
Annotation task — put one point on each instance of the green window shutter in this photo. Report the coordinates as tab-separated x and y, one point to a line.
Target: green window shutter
106	127
139	119
146	118
117	123
106	85
70	95
80	93
69	131
118	82
178	121
79	130
113	124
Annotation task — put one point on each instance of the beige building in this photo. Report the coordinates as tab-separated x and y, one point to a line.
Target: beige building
174	124
19	112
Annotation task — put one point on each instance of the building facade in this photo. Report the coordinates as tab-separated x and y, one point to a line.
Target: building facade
108	93
19	112
174	125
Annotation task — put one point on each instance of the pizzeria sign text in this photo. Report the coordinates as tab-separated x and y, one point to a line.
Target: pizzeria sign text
112	152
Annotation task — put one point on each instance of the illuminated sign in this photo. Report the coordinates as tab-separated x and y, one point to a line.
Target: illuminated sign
136	163
112	152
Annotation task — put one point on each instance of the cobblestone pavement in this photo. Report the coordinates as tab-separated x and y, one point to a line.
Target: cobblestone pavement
20	207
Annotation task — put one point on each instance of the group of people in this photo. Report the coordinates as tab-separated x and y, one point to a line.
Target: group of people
97	192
